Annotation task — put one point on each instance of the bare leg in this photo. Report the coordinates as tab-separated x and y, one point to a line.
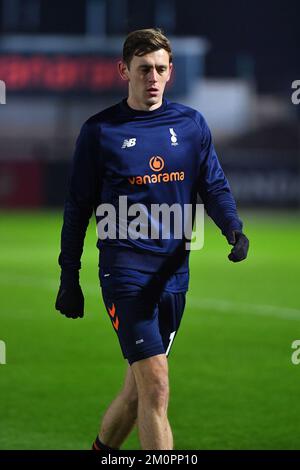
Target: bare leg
152	383
120	417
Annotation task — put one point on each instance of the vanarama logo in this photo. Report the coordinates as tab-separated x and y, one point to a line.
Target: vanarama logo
157	163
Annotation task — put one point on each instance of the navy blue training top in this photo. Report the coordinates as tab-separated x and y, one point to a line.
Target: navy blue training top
151	157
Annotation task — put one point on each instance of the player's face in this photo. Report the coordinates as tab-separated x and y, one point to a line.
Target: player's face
147	77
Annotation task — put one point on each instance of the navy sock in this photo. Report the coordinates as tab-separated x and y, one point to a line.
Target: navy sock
98	445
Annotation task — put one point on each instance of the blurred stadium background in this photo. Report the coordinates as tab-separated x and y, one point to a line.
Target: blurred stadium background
232	380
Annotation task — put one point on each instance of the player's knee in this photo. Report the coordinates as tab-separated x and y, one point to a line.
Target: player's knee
130	399
156	395
132	404
152	382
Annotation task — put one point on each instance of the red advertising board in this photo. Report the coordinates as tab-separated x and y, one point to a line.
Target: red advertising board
60	73
21	184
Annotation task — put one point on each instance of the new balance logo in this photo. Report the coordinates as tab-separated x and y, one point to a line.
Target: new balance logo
128	143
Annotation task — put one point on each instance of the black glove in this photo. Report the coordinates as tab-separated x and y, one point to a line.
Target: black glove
240	246
70	300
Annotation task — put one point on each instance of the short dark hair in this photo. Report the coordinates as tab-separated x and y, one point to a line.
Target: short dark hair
143	41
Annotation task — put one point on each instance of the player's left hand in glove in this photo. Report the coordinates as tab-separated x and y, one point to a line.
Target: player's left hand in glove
240	246
70	300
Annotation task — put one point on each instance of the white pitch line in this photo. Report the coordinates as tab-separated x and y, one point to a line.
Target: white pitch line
219	305
49	284
229	306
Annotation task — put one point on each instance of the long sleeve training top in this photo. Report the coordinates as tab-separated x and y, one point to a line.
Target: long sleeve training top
151	157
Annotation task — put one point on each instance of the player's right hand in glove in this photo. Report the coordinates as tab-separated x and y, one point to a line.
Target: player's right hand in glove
240	246
70	299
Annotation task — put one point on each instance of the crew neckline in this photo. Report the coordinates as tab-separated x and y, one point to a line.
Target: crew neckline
137	112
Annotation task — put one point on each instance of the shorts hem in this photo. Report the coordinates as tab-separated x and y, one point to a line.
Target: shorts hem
142	356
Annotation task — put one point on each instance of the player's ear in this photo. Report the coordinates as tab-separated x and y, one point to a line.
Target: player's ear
123	70
170	70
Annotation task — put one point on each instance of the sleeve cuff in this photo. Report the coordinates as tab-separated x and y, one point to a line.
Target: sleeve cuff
235	225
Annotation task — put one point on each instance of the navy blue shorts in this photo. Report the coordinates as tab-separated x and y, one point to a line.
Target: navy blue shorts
145	316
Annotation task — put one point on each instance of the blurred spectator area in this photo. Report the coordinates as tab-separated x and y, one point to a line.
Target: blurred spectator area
59	72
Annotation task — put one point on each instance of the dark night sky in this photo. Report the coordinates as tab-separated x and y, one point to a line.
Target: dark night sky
241	23
266	31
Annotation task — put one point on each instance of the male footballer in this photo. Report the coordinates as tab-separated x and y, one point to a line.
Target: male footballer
149	151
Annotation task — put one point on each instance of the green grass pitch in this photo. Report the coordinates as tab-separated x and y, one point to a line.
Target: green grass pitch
233	385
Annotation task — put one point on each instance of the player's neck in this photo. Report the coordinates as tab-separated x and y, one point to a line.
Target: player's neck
140	106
